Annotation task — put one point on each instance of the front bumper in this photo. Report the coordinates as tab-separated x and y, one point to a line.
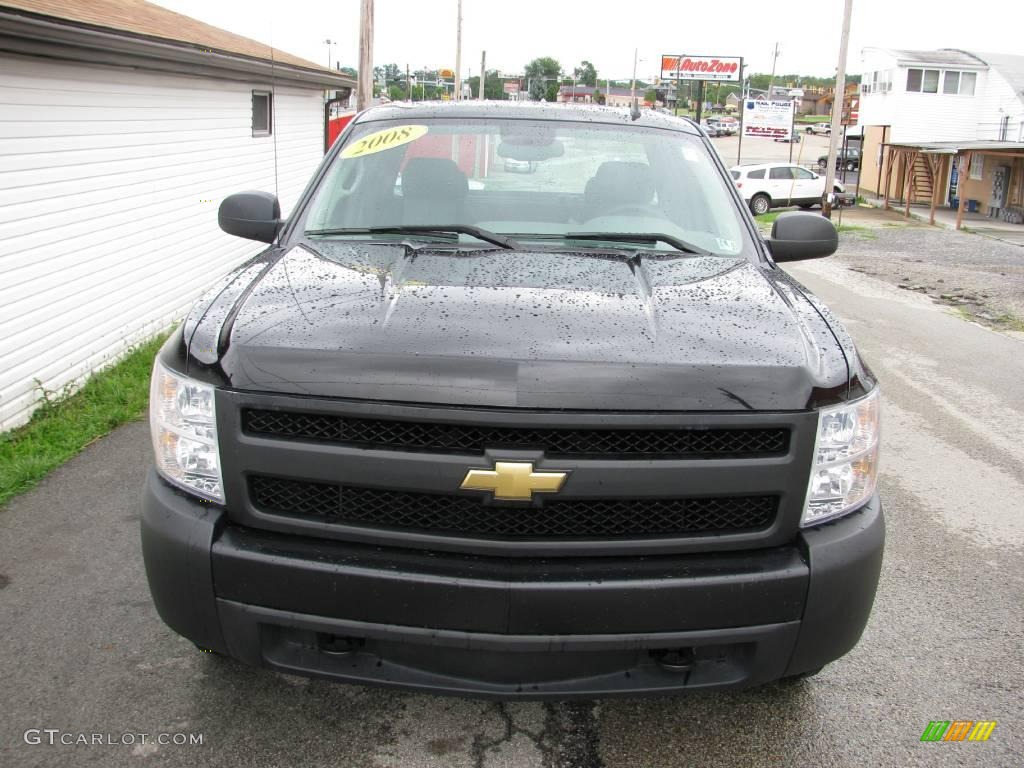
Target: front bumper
509	627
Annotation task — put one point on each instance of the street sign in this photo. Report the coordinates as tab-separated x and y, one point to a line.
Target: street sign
719	69
447	74
767	119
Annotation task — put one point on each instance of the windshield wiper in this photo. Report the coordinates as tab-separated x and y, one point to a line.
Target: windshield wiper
638	237
626	237
424	229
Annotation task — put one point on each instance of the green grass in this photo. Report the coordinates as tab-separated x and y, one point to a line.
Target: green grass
813	119
65	423
768	218
865	232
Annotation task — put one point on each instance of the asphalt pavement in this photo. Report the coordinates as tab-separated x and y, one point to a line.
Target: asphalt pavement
84	653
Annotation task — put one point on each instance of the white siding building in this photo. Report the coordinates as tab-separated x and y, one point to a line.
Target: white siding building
117	143
943	95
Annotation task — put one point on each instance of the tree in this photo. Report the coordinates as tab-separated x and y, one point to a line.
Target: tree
538	73
598	97
493	89
651	96
390	73
586	73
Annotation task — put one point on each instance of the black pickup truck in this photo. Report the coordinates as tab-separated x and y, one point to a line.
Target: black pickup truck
563	433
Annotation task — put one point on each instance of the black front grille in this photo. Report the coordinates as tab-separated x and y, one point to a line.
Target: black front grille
468	515
682	442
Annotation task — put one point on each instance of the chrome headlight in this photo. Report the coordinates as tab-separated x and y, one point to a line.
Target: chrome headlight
845	468
183	423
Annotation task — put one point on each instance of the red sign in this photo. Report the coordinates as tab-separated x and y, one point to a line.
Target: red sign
717	68
510	87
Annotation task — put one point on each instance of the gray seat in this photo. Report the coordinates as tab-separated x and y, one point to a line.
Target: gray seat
434	191
617	184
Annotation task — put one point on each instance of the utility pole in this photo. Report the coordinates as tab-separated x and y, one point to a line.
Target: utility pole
364	92
408	83
483	74
632	87
838	102
329	43
771	82
458	56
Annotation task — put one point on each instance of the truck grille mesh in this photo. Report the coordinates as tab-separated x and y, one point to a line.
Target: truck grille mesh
471	438
468	515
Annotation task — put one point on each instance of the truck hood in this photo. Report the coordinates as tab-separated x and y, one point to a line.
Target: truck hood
537	329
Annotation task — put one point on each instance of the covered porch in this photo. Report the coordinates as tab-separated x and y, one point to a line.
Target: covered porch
935	174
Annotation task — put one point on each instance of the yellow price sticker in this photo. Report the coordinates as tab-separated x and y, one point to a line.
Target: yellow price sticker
382	140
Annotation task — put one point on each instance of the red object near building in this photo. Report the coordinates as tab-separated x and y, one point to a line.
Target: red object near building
335	126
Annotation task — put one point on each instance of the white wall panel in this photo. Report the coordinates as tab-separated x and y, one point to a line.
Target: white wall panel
109	186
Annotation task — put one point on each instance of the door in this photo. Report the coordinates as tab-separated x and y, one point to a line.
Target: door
809	186
781	184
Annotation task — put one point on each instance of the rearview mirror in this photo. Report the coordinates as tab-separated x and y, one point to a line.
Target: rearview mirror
797	236
252	215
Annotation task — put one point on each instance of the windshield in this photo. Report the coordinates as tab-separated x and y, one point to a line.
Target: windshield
543	180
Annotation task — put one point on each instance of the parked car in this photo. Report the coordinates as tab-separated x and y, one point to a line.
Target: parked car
520	166
731	125
848	158
793	138
772	185
530	439
714	127
821	129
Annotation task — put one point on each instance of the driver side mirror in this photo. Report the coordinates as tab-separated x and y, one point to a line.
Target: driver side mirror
797	236
252	215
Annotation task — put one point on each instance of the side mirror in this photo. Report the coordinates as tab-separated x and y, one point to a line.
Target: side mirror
252	215
798	236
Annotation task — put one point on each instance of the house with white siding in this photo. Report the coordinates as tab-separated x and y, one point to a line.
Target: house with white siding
943	95
122	126
924	114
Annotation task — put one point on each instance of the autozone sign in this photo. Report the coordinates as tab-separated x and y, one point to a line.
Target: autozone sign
717	68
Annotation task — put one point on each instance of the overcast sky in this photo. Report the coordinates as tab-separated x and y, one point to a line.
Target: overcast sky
423	33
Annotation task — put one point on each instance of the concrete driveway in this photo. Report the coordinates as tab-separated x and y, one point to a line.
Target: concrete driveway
84	653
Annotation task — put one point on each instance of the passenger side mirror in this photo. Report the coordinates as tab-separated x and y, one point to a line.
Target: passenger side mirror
797	236
252	215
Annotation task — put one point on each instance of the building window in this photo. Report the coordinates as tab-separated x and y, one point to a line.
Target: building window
977	170
262	112
953	82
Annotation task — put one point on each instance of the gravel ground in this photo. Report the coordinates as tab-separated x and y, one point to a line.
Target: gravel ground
983	277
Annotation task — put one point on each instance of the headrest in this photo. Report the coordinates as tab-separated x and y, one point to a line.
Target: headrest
429	176
618	180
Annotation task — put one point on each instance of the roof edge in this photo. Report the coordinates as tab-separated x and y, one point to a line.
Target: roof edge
33	34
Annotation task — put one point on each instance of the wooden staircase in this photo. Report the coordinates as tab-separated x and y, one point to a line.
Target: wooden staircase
922	180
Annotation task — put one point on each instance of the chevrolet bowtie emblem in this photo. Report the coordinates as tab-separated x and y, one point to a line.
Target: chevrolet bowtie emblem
513	481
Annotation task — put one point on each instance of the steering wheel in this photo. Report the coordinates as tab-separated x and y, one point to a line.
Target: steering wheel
638	209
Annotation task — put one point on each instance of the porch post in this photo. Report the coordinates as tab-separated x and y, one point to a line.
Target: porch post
908	180
888	177
961	179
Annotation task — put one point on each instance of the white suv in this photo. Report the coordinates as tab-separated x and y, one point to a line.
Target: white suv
773	185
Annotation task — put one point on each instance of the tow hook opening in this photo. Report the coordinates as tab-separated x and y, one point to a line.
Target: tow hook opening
338	645
675	659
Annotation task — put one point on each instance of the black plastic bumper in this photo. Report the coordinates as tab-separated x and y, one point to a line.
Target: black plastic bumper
515	627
